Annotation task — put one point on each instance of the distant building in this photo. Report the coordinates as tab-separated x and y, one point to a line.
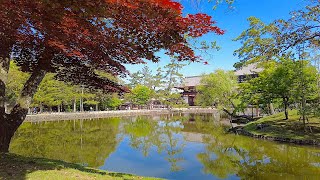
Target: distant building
189	89
189	85
247	72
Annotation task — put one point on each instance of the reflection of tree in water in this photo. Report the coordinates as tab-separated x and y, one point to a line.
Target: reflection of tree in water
88	142
227	154
145	133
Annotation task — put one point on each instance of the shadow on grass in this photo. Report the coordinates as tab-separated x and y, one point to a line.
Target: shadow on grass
14	166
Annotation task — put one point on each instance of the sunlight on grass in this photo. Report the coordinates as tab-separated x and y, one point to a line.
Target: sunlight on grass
276	126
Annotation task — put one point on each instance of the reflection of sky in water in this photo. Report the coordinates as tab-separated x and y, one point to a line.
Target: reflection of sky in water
129	160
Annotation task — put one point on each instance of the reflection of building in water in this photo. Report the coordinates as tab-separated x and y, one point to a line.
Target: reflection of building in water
193	137
190	83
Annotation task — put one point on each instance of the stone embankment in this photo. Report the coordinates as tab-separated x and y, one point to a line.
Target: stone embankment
104	114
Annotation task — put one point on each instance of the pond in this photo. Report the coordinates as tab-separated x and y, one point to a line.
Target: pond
181	146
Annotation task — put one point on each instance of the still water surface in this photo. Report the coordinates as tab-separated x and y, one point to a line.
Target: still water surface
182	146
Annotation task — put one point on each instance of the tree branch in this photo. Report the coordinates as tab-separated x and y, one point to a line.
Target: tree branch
20	110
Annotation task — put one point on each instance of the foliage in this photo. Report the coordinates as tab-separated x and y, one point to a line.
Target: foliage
140	95
114	101
16	79
219	89
146	78
162	83
281	80
53	93
263	42
294	40
172	75
76	41
173	100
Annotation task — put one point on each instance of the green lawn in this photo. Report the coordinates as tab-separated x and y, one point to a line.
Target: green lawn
292	128
18	167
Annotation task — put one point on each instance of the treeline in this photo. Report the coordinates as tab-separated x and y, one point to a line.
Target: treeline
288	53
146	90
282	85
54	95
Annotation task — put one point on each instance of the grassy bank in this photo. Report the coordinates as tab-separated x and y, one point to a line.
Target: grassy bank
291	129
18	167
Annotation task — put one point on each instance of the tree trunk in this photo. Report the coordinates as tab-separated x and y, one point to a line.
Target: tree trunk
97	107
81	100
9	123
7	130
285	103
271	109
4	69
41	108
59	108
303	108
74	105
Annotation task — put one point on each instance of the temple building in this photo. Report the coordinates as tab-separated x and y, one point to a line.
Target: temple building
247	72
189	85
189	89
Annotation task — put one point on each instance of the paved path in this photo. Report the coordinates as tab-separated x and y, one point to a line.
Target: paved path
104	114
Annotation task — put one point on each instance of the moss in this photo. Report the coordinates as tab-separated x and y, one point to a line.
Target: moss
14	166
293	128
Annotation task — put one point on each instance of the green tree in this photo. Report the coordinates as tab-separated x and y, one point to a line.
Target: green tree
293	39
140	95
172	100
278	80
114	101
282	80
52	92
16	79
172	75
74	39
220	89
144	77
307	88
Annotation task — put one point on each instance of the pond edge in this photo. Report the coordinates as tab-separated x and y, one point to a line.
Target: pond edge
243	132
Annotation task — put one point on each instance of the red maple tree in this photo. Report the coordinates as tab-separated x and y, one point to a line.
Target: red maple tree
74	39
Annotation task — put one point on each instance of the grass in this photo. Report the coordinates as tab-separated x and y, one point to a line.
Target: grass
292	128
17	167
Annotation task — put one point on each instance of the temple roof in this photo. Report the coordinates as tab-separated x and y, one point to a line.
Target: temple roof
249	69
192	81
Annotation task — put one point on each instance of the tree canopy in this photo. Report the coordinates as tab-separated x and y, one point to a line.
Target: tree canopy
74	40
220	89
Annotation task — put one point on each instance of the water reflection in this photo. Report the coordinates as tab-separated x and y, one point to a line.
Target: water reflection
182	146
88	142
144	134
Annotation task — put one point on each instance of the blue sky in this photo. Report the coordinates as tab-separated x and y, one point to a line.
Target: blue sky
233	22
